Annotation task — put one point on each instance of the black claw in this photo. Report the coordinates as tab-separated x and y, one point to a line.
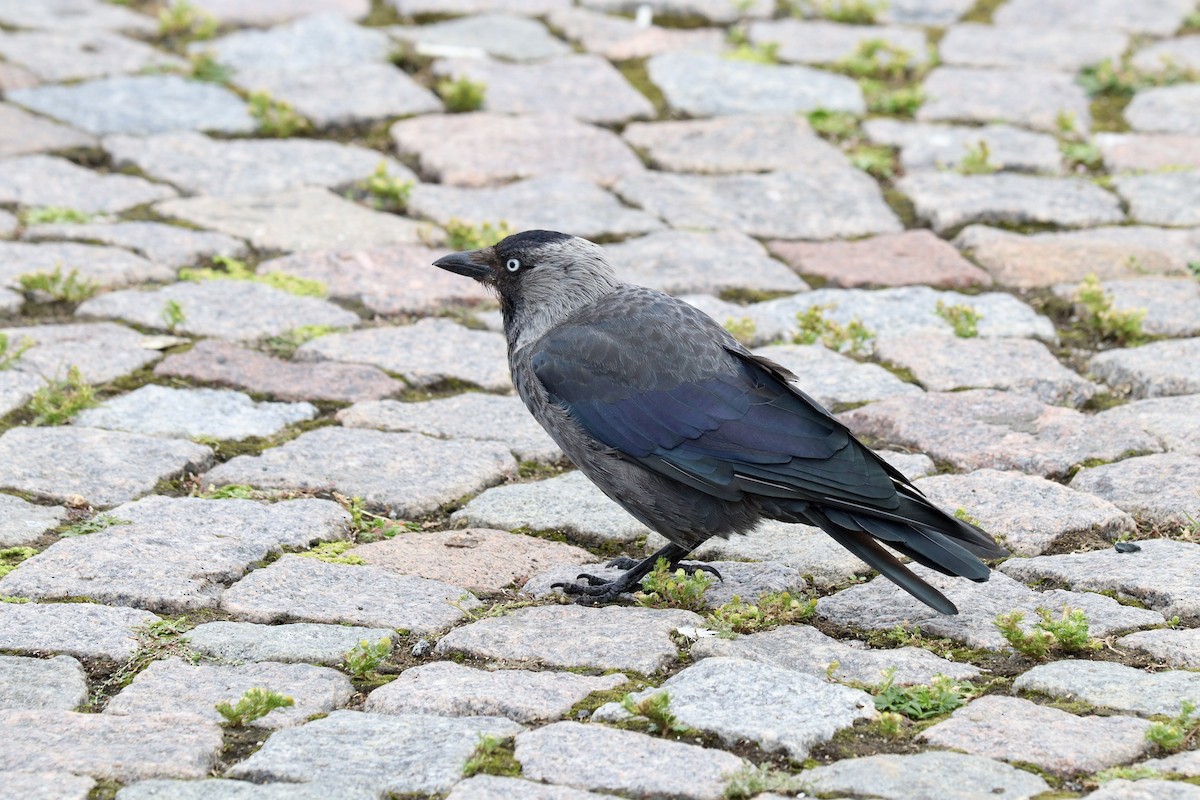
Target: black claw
622	562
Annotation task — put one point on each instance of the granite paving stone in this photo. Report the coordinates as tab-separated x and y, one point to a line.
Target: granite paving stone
526	8
1158	369
22	523
948	201
73	14
928	146
16	388
1035	47
403	473
612	637
710	10
737	699
294	643
1166	109
33	683
568	204
168	245
14	77
832	379
553	86
1182	52
1186	763
113	747
66	55
998	430
448	689
227	309
173	554
45	786
922	776
803	648
495	787
487	149
173	686
820	203
226	363
821	42
104	467
479	558
945	363
198	164
83	630
140	105
401	754
924	12
8	226
881	605
1028	513
1121	789
806	548
1063	744
620	39
501	36
1174	420
762	329
1133	152
222	789
1156	18
319	41
707	85
299	219
22	132
1171	198
687	262
271	12
1175	648
191	413
1160	574
105	267
634	764
41	180
387	280
1110	685
1169	303
911	465
1027	97
429	352
305	589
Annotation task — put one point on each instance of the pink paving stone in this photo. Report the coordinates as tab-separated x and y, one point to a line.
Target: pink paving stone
893	259
1148	151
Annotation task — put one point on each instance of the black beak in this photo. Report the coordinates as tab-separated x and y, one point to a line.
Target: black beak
472	263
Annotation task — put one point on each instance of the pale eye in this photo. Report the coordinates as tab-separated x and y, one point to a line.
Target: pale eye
513	265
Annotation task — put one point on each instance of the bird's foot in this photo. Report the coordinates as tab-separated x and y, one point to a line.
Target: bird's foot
597	591
624	562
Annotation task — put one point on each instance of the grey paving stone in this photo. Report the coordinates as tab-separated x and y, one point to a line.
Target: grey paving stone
33	683
168	245
612	637
825	203
998	430
102	351
1157	18
387	280
8	226
325	41
806	548
14	77
271	12
1185	763
45	786
86	631
103	266
486	148
295	643
16	388
924	12
706	85
189	413
1045	259
1168	303
109	746
104	467
1167	199
762	329
833	379
504	36
881	605
945	363
1028	513
227	309
1158	369
1183	51
1161	574
1036	47
174	554
634	763
1122	789
226	363
923	776
619	38
1166	109
821	42
66	55
711	10
1175	648
305	589
140	105
803	648
494	787
221	789
1133	152
40	180
299	219
568	204
73	14
198	164
1174	420
22	523
1027	97
173	686
448	689
1110	685
912	465
553	86
927	146
1012	729
737	699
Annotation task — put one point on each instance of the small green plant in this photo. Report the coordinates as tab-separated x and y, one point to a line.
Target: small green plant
165	628
276	118
63	287
387	190
285	344
364	658
94	525
1178	733
880	59
765	53
493	756
942	696
663	588
963	318
976	160
182	20
52	214
10	557
367	527
205	67
253	704
172	315
1068	633
743	329
234	491
334	553
1194	268
770	611
656	710
8	598
815	328
235	270
1124	80
462	95
836	125
751	781
902	101
891	724
1066	123
851	12
59	400
961	513
465	236
9	352
877	160
1138	772
1122	327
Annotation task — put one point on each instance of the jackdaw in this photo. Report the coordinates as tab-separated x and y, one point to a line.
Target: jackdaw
689	431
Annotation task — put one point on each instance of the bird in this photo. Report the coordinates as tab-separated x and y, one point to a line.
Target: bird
689	431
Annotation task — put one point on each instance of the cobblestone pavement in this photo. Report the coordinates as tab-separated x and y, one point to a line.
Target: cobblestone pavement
252	442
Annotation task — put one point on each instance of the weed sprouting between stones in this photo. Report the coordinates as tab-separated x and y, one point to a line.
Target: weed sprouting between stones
172	315
493	756
1099	316
205	67
53	214
93	525
253	704
462	235
334	553
462	95
287	343
9	352
655	709
60	286
976	160
963	318
235	270
276	118
919	702
770	611
11	557
387	191
816	327
183	22
366	527
364	658
663	587
755	779
743	329
60	399
851	12
1067	633
1181	732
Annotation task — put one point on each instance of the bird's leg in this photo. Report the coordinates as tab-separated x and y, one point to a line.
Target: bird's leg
604	590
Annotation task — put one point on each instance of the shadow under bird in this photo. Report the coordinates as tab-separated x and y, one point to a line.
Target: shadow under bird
689	431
